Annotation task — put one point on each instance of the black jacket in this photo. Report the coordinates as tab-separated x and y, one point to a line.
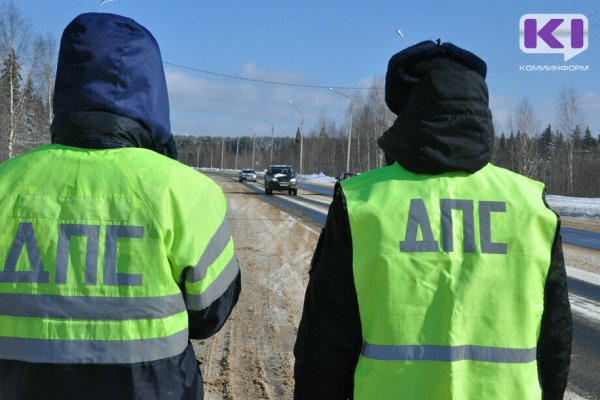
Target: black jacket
443	125
329	336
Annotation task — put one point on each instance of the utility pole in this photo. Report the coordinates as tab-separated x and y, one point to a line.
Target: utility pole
349	127
222	152
198	156
253	144
272	135
301	133
237	149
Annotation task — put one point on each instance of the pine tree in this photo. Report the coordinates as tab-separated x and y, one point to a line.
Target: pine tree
546	142
588	141
323	133
577	137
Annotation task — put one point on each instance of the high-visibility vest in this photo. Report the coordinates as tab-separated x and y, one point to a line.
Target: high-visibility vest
449	272
103	251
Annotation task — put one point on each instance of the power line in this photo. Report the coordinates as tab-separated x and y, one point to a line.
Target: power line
243	78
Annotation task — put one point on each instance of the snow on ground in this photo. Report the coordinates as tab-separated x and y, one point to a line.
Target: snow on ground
319	178
578	207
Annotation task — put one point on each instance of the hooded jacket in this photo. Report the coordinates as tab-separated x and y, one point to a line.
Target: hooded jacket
110	89
443	124
113	153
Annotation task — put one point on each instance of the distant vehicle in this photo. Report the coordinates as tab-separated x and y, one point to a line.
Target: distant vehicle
280	177
247	175
346	175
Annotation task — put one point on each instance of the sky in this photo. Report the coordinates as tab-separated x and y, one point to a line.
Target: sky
344	44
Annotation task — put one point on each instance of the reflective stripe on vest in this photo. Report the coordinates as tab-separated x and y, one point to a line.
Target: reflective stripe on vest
92	351
448	353
449	273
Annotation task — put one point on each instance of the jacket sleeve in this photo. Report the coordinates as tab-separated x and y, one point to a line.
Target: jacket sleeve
208	321
203	254
556	333
212	286
329	336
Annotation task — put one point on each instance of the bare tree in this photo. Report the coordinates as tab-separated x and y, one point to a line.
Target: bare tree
45	68
523	150
14	42
568	117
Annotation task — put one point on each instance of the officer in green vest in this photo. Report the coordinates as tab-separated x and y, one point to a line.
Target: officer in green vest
439	276
112	254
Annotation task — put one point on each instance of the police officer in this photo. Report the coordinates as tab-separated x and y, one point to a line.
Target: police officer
112	254
439	276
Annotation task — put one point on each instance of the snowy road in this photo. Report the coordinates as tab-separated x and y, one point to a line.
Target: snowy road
251	358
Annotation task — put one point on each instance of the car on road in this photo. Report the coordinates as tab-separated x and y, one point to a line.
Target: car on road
346	175
282	178
247	175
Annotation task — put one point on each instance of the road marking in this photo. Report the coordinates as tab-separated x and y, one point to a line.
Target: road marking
582	275
322	209
585	307
570	395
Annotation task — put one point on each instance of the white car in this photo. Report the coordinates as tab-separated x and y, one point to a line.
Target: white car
247	175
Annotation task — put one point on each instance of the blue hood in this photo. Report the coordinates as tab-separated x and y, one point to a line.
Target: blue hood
109	65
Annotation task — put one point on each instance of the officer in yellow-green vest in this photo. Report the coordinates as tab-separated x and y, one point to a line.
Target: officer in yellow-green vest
439	276
112	254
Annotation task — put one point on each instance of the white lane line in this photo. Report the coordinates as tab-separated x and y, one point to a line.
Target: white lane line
582	275
570	395
585	307
322	209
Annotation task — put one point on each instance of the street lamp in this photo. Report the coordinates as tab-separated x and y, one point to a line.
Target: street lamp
349	127
301	134
253	144
237	149
272	134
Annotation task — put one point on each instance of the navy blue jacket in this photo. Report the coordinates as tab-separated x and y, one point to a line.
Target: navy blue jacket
111	92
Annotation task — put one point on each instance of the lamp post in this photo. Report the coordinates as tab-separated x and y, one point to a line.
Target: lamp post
253	144
237	148
349	127
222	152
272	134
301	134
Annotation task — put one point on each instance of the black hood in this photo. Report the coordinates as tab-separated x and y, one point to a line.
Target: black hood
440	97
110	87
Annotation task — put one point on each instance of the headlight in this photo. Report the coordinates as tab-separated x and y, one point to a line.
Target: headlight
292	180
274	180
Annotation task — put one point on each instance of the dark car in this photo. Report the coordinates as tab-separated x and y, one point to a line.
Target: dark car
346	175
247	175
282	178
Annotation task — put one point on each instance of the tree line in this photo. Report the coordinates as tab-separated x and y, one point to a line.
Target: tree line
324	146
565	155
26	83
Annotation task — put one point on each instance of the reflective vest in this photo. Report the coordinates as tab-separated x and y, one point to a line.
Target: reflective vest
103	251
449	272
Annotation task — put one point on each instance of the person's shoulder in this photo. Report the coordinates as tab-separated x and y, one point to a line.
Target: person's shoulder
24	161
514	176
151	165
369	178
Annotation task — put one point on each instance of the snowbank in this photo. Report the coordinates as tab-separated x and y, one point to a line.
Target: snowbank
579	207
